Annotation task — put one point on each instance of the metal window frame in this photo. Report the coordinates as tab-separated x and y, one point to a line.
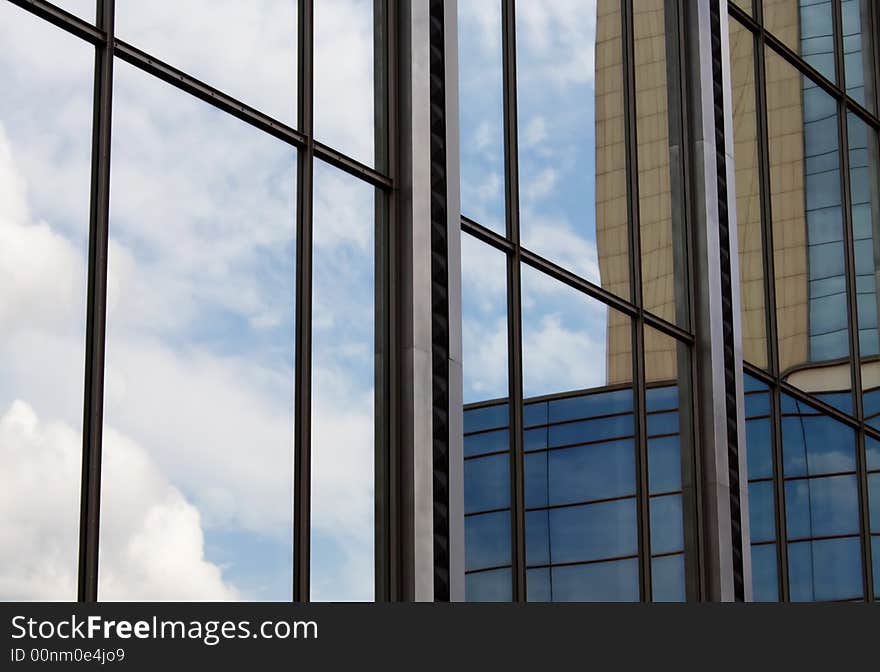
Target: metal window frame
764	41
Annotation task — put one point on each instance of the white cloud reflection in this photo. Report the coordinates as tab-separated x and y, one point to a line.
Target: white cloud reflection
197	500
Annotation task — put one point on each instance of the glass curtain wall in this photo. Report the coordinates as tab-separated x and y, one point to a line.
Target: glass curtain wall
576	302
805	142
213	289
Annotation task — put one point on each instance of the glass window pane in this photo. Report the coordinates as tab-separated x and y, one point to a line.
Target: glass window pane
538	585
664	464
200	317
487	540
813	443
597	582
484	320
593	532
245	49
343	343
806	201
487	483
874	501
872	448
536	482
45	149
486	442
762	511
745	5
765	584
828	569
667	533
748	195
875	554
84	9
344	85
572	154
537	538
486	417
663	259
805	26
493	586
819	507
759	448
480	80
599	471
667	579
858	51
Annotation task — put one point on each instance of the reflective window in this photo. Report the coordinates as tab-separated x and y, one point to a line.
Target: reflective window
748	195
342	524
487	540
806	201
667	578
827	569
805	26
84	9
593	532
762	514
344	85
45	148
660	220
487	483
480	81
200	312
822	507
572	147
765	584
858	51
492	586
596	582
245	49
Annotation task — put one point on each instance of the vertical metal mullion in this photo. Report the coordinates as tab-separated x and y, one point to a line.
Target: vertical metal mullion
303	368
770	307
638	327
514	301
96	315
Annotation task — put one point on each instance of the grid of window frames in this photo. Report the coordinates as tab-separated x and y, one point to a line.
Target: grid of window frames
576	303
194	196
804	96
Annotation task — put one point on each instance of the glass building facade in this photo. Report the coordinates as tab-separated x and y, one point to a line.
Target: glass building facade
485	300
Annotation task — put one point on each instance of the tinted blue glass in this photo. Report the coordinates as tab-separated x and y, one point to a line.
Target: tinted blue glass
598	582
596	471
535	439
487	483
663	423
487	442
762	523
857	48
759	450
488	417
664	464
667	534
617	426
757	404
816	444
872	448
663	398
751	384
535	414
765	585
874	500
840	400
538	585
828	569
817	42
667	578
593	531
875	554
493	586
820	507
487	540
537	538
536	479
591	405
871	402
